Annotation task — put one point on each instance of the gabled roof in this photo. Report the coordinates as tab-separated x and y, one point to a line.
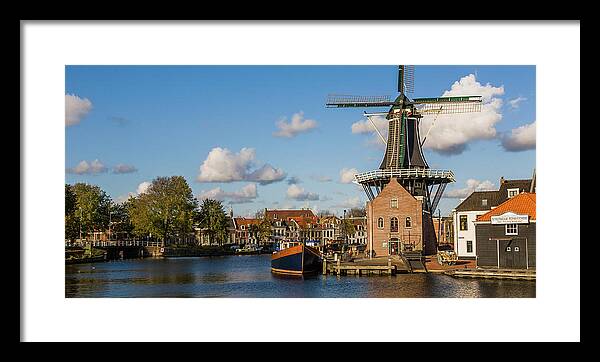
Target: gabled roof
474	201
522	185
522	204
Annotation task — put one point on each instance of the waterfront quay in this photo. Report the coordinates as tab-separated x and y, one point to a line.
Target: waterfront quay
399	264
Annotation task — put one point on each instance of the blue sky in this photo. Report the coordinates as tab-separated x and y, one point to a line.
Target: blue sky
166	120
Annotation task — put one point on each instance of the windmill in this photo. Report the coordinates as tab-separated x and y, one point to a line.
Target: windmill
403	158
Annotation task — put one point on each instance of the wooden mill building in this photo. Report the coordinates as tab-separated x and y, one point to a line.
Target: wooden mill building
506	234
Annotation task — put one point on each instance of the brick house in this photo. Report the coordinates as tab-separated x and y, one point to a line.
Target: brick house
330	229
396	222
243	230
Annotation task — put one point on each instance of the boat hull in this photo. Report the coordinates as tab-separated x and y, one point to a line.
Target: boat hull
297	260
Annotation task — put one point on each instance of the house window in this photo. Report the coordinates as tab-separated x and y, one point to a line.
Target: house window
394	225
243	227
469	246
511	229
380	223
408	222
512	192
484	202
463	222
394	203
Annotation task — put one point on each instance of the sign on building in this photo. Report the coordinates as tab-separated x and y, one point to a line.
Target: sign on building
510	218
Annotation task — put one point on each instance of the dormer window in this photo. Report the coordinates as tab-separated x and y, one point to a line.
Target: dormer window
512	192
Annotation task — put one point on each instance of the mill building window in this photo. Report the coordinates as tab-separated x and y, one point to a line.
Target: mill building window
380	223
463	222
408	222
394	203
394	225
511	229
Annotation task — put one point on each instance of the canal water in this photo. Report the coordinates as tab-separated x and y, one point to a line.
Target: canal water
250	277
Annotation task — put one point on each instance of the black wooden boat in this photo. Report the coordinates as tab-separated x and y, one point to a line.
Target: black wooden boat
296	260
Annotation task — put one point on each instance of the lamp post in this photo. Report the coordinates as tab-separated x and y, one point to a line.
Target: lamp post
439	226
109	221
80	220
345	232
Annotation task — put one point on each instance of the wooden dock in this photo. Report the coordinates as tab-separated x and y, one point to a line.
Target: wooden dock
363	267
514	274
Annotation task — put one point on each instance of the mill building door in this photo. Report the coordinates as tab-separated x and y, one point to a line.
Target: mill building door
512	254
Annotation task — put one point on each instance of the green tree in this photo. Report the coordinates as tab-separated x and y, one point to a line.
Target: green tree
213	220
264	230
121	226
71	217
165	210
91	207
70	200
357	212
347	228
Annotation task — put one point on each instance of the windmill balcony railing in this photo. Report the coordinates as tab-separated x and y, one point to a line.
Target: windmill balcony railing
404	173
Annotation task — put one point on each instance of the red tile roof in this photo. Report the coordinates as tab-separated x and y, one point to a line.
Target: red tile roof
244	221
285	214
523	204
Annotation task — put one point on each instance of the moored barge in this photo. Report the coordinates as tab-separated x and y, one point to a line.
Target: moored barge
296	259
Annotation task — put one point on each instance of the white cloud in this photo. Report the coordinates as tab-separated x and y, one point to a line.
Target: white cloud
452	132
297	125
350	203
122	168
362	127
75	109
297	193
88	168
222	165
142	188
514	103
472	185
245	195
266	175
520	139
347	175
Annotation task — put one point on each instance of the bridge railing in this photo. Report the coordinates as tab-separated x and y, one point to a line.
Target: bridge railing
105	243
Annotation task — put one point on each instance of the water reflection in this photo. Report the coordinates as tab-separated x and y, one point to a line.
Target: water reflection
250	277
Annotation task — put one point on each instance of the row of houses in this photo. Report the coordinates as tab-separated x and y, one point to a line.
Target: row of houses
289	225
498	228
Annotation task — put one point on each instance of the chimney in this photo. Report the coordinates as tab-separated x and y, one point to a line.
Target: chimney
532	188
